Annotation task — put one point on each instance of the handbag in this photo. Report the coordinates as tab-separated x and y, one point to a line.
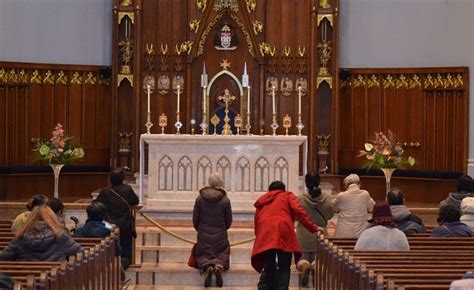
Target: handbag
132	217
192	258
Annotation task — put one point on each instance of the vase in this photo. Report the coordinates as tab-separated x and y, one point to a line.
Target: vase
388	174
56	169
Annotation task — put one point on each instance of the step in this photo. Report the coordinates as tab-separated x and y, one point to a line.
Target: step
173	254
180	274
171	287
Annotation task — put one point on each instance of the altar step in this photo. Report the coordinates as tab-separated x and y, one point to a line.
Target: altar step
171	287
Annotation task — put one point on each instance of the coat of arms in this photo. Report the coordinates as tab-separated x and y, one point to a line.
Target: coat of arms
225	38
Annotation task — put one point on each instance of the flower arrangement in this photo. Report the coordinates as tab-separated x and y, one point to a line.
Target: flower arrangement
385	152
59	149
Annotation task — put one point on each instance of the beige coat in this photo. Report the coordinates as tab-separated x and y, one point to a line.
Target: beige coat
353	206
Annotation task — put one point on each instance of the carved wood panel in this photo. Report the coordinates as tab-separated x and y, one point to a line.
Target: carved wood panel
426	108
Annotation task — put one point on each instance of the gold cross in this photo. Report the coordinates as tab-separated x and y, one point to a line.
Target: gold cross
225	64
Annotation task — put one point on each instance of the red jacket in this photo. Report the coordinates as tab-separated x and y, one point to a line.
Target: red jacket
274	225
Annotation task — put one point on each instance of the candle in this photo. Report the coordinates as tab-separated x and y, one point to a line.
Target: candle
148	97
204	76
245	76
179	91
273	100
299	99
126	28
204	99
248	101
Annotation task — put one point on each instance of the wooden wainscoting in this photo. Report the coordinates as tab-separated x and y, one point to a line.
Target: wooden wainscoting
427	109
35	97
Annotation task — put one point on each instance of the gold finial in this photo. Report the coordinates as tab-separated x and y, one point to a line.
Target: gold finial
164	49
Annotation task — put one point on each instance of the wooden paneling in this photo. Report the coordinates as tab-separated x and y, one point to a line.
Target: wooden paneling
425	106
35	97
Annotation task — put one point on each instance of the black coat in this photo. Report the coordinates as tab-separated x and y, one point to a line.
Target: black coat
118	212
212	217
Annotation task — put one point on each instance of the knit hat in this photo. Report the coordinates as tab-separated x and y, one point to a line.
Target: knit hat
467	205
382	215
351	179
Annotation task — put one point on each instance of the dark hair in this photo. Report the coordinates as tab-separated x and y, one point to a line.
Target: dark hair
117	176
312	180
56	205
36	200
96	211
448	214
276	185
464	183
395	197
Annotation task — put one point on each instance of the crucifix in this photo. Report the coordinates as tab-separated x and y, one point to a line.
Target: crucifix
227	98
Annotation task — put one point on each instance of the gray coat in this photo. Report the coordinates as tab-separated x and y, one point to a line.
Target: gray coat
455	199
320	211
212	217
40	245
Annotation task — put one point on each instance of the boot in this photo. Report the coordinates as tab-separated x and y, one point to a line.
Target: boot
218	273
305	269
208	276
313	273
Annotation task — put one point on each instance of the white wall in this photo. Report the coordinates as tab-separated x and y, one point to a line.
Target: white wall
56	31
410	33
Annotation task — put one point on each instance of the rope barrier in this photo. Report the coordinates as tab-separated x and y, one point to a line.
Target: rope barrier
179	237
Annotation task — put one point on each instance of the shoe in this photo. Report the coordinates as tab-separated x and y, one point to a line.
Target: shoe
305	271
208	276
218	273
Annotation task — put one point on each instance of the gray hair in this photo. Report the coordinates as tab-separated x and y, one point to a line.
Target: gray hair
215	180
351	179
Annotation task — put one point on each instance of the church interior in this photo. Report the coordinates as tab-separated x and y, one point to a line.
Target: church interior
171	91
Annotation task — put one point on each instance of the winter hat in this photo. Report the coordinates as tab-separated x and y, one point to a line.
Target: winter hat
467	205
382	215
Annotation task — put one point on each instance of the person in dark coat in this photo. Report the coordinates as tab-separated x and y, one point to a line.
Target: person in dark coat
405	221
318	206
95	226
41	238
449	224
119	200
212	217
464	189
275	236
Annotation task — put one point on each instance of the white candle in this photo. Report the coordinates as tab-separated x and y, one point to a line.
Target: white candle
204	99
179	91
148	98
273	100
248	101
299	99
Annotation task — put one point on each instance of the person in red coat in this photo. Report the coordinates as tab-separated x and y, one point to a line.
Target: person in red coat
275	236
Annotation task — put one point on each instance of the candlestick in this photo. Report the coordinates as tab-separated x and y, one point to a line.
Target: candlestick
177	106
178	124
300	125
273	100
245	76
148	88
299	100
248	100
274	124
148	123
204	109
204	76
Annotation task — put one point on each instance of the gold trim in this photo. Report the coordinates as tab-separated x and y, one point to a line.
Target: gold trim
251	5
23	76
345	84
226	4
36	77
246	34
12	76
206	32
48	78
438	82
104	81
401	82
225	64
373	82
130	15
324	4
194	25
257	27
265	49
301	51
76	79
328	16
414	82
3	75
448	81
429	83
121	78
90	79
459	82
61	78
320	80
359	81
201	5
388	82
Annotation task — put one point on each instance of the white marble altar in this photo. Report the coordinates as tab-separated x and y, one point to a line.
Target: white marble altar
178	165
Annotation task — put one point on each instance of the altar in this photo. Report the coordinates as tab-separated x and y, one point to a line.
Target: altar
178	166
